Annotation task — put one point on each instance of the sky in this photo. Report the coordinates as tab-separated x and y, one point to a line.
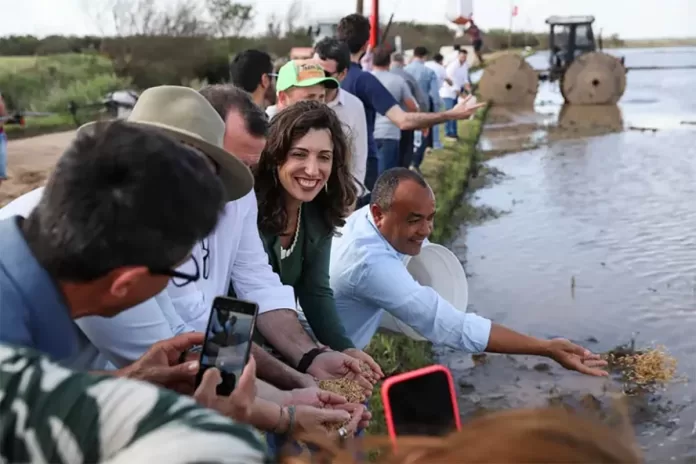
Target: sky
628	18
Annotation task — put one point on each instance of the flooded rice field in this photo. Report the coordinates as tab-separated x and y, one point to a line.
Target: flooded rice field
596	242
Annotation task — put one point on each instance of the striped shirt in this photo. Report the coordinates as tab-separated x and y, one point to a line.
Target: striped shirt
49	414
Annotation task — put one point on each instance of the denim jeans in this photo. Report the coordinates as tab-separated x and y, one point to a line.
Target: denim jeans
450	126
388	154
419	146
3	156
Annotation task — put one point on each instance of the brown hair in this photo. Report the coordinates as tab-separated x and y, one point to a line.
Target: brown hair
286	128
552	435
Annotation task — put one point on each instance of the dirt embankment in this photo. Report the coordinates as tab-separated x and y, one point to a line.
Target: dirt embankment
30	162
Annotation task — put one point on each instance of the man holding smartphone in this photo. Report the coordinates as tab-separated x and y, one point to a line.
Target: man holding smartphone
73	259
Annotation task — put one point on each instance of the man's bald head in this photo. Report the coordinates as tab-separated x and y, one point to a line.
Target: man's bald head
403	207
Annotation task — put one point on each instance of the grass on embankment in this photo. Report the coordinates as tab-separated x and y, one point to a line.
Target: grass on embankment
447	171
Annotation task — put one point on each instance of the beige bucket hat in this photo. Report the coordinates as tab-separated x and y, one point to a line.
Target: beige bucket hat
186	115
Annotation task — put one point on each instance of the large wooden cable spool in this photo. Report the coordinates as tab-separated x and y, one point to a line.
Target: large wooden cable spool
509	81
594	78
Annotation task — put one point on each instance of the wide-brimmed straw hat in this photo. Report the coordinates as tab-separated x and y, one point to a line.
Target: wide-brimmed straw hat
186	115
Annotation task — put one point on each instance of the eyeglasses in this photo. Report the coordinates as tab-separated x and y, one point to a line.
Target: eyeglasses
179	279
206	258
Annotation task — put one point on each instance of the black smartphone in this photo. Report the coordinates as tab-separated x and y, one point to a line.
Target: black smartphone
228	340
421	402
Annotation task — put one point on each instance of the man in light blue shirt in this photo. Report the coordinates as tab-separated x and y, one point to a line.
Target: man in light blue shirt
430	85
368	277
85	251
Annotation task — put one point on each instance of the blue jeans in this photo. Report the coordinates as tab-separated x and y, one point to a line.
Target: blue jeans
450	126
419	147
3	156
388	154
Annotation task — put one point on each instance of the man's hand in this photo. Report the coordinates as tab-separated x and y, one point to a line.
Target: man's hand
239	404
335	365
575	358
313	421
364	421
465	108
375	373
160	364
314	397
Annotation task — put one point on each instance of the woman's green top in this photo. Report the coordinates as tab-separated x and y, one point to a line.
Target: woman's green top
306	270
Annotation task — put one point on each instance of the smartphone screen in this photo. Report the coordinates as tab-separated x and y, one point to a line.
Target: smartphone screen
423	405
228	340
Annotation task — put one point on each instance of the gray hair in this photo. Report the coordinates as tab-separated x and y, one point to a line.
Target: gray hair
398	57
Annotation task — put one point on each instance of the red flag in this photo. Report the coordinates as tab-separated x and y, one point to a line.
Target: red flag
514	10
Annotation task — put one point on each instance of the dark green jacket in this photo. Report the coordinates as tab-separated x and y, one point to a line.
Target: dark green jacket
307	272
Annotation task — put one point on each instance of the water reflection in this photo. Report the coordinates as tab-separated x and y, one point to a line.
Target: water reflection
614	213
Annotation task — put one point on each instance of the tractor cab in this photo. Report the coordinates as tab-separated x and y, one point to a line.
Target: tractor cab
569	37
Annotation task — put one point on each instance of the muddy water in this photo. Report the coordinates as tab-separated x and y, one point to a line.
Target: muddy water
597	244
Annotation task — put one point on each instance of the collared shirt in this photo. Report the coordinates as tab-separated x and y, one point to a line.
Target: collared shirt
271	111
58	415
374	97
368	277
33	312
233	251
426	78
459	75
351	112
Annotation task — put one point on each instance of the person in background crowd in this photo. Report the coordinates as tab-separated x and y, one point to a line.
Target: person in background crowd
3	141
72	257
252	70
406	142
366	60
458	85
387	135
429	84
474	34
334	57
436	65
354	31
301	80
305	188
367	262
63	416
246	123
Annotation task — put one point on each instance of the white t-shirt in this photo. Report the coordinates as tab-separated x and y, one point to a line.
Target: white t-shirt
351	112
459	75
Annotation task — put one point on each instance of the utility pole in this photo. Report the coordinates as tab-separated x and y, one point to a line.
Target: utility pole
359	7
512	11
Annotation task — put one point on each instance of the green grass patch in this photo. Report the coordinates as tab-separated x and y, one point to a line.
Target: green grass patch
447	170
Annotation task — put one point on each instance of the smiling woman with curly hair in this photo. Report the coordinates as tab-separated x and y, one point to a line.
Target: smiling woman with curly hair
304	190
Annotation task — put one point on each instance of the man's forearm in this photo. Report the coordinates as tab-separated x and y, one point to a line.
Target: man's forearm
270	393
504	340
265	415
276	372
282	329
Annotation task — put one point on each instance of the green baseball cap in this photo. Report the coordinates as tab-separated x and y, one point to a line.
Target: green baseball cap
303	73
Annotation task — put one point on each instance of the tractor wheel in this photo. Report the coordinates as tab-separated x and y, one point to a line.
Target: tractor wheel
509	81
594	79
